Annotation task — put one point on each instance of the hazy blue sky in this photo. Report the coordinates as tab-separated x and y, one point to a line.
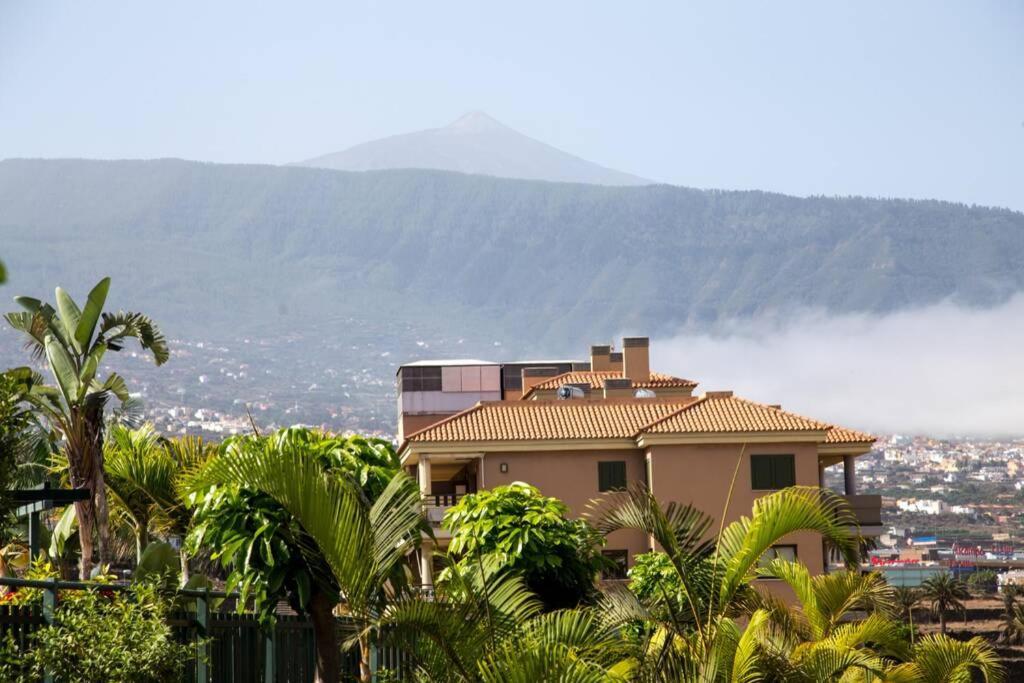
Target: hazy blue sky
914	99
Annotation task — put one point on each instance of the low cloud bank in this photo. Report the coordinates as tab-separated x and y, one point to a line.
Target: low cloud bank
941	370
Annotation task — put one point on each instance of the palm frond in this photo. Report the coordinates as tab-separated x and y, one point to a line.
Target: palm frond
798	508
938	659
116	327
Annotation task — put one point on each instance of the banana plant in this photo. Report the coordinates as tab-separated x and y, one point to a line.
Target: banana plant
73	342
288	522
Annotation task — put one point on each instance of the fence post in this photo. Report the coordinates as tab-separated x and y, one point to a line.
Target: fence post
202	628
270	654
49	615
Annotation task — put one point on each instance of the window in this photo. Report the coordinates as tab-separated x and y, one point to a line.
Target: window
780	552
421	379
619	565
769	472
611	476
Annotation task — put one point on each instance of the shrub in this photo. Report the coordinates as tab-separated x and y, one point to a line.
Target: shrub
99	637
983	581
529	533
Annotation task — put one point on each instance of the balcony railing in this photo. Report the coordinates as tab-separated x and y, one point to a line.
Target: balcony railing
867	509
435	505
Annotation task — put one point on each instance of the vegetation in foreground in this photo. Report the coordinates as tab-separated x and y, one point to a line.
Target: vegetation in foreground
331	524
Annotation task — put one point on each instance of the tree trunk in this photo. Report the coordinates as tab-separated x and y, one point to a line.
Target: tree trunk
365	672
942	622
325	634
102	512
141	540
83	510
183	556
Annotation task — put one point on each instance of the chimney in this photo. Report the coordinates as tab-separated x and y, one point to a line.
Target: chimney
636	358
615	360
717	394
600	358
534	376
618	388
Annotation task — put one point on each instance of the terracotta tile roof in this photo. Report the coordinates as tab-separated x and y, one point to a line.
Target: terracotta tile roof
596	379
714	413
549	420
722	413
844	435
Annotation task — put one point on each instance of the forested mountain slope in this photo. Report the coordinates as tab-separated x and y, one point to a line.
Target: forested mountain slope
232	248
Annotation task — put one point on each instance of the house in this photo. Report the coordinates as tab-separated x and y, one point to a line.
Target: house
578	429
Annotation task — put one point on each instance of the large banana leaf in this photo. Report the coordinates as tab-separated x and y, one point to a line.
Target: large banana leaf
91	314
69	316
63	370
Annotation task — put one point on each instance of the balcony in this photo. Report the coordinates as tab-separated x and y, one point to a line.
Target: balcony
868	511
436	504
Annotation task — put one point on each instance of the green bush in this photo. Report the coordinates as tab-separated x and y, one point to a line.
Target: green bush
102	637
532	534
983	581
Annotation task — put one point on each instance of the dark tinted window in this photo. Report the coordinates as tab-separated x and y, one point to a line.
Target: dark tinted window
421	379
611	476
770	472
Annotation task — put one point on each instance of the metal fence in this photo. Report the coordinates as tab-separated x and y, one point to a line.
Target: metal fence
230	647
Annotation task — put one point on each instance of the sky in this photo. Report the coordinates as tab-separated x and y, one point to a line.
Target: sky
886	99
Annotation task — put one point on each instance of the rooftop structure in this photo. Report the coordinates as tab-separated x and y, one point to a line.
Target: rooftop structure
579	429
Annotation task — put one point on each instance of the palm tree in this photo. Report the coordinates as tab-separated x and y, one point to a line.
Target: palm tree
1013	617
907	599
149	475
819	637
362	544
940	659
945	592
484	624
139	473
73	341
189	454
693	634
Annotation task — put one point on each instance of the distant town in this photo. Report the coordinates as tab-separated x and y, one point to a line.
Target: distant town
940	497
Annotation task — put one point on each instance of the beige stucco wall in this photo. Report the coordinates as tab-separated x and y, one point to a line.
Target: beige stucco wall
701	475
572	477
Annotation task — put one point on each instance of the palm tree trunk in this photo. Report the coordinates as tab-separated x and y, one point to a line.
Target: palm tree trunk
83	510
365	672
102	512
325	634
141	540
942	621
183	556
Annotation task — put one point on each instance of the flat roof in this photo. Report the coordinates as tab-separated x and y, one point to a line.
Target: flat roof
446	362
476	361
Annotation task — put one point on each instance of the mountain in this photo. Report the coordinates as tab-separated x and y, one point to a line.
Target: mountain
475	144
227	250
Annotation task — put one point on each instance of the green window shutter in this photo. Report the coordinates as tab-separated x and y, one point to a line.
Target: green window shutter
760	472
611	476
771	472
784	473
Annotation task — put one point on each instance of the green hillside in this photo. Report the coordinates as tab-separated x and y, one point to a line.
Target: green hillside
226	248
